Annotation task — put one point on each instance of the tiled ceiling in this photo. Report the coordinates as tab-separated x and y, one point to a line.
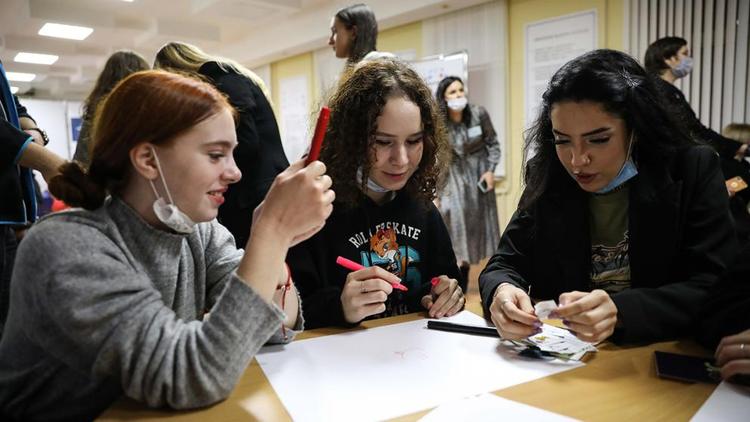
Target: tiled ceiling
141	25
253	32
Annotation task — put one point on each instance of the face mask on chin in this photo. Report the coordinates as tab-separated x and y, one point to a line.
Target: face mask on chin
627	172
168	213
683	68
371	184
457	104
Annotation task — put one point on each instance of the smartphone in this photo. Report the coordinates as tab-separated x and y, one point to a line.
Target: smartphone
320	133
686	368
482	184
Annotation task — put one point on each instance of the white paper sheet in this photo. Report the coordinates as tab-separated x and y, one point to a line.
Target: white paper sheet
488	408
385	372
729	402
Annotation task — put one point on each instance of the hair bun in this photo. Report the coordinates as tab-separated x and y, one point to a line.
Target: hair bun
76	188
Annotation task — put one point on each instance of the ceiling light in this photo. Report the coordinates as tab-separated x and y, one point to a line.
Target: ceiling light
35	58
13	89
70	32
20	77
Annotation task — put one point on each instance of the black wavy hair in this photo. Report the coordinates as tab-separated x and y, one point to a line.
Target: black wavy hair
443	105
661	50
623	88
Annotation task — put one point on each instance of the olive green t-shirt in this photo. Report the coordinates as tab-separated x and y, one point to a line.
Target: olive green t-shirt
608	226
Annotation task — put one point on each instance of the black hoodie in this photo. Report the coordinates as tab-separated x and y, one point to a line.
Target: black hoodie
365	234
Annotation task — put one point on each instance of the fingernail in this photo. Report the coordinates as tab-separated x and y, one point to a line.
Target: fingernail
537	325
566	322
537	331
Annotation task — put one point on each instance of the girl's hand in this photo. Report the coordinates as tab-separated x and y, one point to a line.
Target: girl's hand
489	178
446	299
298	202
591	316
512	313
733	355
365	292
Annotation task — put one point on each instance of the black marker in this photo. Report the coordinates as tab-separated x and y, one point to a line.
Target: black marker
460	328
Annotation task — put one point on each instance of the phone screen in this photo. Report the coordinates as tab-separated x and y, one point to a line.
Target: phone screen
685	368
482	184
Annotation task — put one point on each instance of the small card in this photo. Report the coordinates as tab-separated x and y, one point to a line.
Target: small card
736	184
544	309
474	131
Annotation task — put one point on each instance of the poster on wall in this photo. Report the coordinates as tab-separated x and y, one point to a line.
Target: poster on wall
549	44
295	114
434	69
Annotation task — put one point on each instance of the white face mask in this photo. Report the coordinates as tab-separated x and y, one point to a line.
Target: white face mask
168	213
457	104
371	184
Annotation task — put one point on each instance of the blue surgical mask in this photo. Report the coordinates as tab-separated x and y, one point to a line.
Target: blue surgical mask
683	67
627	172
371	185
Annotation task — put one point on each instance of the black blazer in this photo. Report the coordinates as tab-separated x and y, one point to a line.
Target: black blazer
259	153
681	239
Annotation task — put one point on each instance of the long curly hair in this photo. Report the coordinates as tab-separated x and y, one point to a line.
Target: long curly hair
355	107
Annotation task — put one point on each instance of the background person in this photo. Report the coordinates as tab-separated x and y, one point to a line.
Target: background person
470	212
259	153
119	65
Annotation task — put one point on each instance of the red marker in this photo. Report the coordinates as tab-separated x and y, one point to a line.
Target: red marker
353	266
320	133
435	281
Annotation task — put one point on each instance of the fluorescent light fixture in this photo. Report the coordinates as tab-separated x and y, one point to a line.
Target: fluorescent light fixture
70	32
20	77
128	1
35	58
13	89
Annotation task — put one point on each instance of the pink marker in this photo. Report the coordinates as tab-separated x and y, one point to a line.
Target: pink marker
353	266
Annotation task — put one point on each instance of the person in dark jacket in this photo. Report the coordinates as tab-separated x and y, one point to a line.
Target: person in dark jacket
21	151
382	148
668	59
259	155
624	218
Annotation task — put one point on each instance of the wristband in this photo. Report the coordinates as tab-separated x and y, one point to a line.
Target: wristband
45	138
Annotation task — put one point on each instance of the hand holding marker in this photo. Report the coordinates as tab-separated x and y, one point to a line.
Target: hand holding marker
353	266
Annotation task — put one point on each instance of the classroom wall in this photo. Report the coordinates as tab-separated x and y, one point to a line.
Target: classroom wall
401	39
610	17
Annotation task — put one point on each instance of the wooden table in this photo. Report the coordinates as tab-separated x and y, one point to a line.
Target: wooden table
617	383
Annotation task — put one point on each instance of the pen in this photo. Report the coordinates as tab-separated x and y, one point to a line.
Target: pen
353	266
460	328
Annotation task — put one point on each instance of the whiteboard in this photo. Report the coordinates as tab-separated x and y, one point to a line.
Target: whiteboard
434	69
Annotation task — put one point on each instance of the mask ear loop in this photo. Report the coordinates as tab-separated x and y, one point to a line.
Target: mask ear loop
161	176
630	146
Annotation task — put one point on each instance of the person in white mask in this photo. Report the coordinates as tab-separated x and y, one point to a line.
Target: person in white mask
668	60
141	292
623	220
383	148
467	200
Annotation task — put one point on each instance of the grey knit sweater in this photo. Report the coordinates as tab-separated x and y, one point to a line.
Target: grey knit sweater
104	304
